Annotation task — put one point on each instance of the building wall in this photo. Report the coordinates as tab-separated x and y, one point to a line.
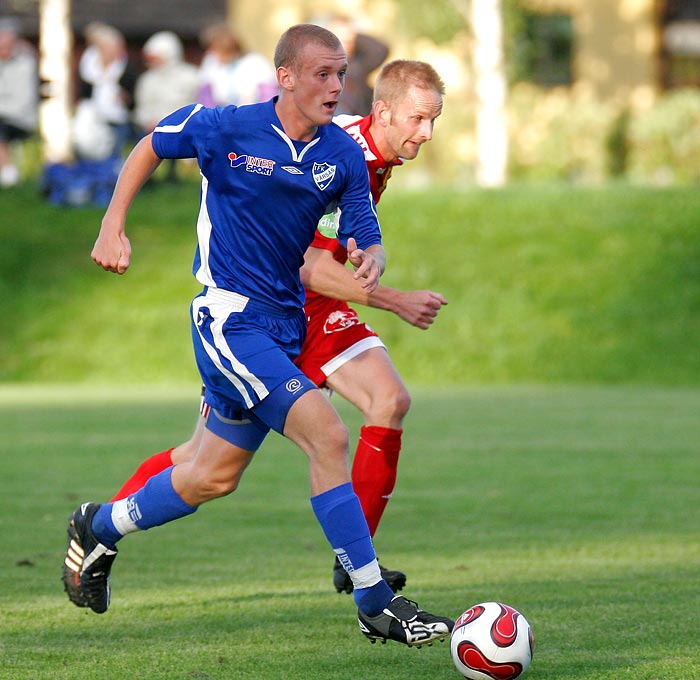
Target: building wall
616	51
616	46
260	23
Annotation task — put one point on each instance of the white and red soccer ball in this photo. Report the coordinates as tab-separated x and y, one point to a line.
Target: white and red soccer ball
492	641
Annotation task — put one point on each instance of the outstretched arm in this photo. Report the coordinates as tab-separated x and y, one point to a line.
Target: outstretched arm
326	276
417	307
112	250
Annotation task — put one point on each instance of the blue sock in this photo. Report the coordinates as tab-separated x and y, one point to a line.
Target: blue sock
373	600
340	514
155	504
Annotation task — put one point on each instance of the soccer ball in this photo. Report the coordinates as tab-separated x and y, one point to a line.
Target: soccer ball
492	641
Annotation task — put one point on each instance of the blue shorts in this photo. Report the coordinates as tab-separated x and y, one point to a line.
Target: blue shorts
245	354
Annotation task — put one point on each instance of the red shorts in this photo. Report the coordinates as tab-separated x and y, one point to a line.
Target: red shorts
335	335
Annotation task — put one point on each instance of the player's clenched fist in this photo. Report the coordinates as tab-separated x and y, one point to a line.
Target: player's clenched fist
112	251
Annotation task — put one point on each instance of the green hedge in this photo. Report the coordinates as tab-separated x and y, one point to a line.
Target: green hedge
545	284
568	134
664	141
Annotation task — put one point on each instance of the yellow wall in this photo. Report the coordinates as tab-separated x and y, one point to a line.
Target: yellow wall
614	64
615	40
615	49
261	22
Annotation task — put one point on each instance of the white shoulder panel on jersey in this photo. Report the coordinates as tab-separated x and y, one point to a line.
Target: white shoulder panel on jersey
178	128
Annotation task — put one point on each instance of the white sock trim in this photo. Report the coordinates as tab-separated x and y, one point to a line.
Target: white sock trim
124	515
367	576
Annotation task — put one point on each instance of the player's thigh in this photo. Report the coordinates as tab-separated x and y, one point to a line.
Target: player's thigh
368	380
218	457
315	426
187	450
215	470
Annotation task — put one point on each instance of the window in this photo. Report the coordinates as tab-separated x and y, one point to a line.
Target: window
543	46
680	43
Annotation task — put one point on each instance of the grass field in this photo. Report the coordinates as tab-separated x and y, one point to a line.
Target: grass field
577	505
546	284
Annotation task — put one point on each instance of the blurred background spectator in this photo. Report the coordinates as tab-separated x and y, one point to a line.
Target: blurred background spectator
19	95
168	84
103	124
231	75
365	55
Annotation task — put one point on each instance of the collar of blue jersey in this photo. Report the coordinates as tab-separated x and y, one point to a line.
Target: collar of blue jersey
272	117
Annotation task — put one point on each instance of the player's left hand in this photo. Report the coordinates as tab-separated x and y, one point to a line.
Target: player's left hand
367	267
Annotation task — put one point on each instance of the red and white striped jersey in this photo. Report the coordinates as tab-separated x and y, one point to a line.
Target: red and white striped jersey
379	173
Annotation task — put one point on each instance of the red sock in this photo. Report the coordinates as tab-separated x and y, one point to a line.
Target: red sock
374	470
150	467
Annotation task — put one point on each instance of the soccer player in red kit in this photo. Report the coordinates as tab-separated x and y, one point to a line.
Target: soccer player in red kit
341	353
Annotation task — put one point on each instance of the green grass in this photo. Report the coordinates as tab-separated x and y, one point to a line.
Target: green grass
546	284
577	505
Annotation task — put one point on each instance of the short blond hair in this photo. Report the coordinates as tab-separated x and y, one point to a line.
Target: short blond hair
295	39
398	75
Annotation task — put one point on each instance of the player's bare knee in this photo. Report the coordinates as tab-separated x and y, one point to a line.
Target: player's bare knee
339	436
208	484
389	405
402	401
334	440
329	443
211	488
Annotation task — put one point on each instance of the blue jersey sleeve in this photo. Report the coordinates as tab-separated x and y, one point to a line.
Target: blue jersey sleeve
182	133
358	212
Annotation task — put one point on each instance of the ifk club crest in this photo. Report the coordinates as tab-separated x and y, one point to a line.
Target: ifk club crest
323	174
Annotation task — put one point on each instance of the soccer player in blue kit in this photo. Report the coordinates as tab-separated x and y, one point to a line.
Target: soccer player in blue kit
269	172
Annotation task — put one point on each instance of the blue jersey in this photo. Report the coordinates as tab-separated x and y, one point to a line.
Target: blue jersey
263	194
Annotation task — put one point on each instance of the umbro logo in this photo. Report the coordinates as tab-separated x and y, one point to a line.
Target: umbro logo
292	170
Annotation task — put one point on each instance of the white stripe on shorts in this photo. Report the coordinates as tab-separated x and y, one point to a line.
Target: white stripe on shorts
350	353
221	305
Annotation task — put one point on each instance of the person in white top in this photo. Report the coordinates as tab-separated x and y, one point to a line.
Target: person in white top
107	82
169	83
229	74
19	96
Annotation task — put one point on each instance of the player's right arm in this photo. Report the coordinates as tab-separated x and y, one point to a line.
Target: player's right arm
323	274
417	307
112	250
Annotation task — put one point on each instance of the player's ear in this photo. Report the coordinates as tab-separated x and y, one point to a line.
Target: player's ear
285	78
381	112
